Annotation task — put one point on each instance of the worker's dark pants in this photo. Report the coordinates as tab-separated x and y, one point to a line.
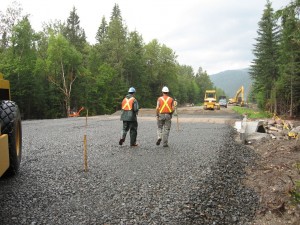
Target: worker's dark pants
132	126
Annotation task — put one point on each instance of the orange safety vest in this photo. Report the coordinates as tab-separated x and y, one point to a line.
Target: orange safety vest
165	104
127	103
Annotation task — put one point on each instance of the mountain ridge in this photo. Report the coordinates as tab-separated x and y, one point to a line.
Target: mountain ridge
231	80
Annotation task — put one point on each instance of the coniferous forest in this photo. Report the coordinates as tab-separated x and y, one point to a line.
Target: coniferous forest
276	65
55	71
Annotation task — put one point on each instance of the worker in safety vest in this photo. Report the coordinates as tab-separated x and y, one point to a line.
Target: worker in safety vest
164	110
130	108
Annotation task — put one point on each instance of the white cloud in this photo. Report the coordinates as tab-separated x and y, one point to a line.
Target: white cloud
213	34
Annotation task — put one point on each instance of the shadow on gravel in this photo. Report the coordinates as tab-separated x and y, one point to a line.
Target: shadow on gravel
222	198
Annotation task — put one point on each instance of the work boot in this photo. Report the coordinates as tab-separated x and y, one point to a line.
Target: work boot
134	145
158	141
165	145
121	141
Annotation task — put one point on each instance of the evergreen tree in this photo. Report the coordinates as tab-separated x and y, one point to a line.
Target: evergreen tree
58	63
115	44
289	82
264	69
135	69
102	31
73	32
113	54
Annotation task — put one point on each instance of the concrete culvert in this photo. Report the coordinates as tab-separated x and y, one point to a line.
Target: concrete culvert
261	129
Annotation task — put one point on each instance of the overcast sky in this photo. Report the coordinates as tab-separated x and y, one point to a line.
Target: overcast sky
216	35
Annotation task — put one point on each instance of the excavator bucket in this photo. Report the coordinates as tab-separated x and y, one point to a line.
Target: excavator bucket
76	114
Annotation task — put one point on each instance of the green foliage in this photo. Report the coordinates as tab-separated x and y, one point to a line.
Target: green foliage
18	65
64	64
295	192
135	69
252	114
188	90
288	83
162	69
203	81
109	97
264	69
219	92
102	31
298	167
73	32
55	70
276	66
8	20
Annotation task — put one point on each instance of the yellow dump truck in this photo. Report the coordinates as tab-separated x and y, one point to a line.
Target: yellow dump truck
10	131
210	100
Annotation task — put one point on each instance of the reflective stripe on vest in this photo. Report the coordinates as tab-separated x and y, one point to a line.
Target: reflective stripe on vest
127	103
165	105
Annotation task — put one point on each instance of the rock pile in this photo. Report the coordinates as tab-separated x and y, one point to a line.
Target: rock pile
275	128
279	128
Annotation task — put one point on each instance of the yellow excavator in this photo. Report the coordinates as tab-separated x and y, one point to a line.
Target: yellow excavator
238	99
10	131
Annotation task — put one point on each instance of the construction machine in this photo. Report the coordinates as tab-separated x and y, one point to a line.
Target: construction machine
238	99
10	131
76	114
210	100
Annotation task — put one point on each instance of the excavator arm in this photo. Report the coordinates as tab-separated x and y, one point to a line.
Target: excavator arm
239	97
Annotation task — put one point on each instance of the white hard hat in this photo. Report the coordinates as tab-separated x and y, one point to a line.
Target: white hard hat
131	90
165	89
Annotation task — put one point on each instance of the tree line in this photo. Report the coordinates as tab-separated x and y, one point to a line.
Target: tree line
56	71
276	66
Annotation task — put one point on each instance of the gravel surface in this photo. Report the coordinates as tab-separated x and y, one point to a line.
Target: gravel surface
197	180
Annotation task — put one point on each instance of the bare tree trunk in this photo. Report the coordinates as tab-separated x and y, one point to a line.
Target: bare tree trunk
291	105
65	88
274	95
275	101
68	107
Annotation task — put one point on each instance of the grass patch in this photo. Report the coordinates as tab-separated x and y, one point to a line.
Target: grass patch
295	192
252	114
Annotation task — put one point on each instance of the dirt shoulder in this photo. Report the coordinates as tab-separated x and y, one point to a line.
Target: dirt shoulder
275	175
274	178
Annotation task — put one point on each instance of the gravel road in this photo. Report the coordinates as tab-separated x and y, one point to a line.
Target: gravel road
197	180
